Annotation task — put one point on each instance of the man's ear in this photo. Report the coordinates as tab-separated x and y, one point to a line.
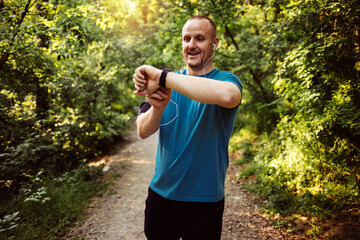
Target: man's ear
216	42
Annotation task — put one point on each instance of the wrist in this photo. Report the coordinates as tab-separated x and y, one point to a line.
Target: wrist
162	79
158	109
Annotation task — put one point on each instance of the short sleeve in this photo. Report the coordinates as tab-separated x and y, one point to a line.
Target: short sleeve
230	77
144	107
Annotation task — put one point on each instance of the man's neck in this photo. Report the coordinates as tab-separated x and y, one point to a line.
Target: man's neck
200	71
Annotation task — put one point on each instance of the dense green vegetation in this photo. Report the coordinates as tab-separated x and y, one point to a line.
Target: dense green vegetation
66	96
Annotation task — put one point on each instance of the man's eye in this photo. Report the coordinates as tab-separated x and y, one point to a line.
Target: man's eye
200	38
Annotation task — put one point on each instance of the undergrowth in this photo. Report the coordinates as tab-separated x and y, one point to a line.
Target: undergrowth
298	190
45	206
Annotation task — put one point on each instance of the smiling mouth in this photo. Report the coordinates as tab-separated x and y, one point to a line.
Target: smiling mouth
193	53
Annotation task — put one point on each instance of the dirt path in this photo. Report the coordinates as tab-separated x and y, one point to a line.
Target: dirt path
118	214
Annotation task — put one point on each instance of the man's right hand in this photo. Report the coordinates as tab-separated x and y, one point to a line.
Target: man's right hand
160	98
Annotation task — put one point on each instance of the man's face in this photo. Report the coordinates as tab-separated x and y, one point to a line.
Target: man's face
197	43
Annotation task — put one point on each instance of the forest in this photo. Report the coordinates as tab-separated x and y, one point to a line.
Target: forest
66	97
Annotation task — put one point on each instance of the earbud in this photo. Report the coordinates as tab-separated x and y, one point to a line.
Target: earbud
214	46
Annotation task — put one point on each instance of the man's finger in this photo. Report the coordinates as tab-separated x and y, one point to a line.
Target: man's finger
141	92
156	96
139	74
162	93
138	87
165	90
139	81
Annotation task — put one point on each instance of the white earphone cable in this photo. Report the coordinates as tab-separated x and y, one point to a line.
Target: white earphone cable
176	106
177	112
207	62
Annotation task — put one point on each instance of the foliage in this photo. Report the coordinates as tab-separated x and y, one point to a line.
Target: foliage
319	140
66	97
65	89
309	161
46	206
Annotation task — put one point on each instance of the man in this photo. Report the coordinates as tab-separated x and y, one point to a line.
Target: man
194	111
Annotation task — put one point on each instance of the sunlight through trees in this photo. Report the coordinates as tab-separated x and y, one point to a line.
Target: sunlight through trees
66	89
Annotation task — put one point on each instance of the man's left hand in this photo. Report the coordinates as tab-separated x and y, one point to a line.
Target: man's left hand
146	79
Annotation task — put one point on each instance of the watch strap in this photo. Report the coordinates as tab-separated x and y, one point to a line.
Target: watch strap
162	80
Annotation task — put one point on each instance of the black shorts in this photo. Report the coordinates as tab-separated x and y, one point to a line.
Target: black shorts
171	220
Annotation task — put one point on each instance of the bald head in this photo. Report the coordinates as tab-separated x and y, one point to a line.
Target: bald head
199	42
205	18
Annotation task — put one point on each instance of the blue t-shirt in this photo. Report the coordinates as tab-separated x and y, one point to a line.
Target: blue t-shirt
192	154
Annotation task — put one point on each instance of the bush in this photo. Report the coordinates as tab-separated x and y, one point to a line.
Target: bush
47	206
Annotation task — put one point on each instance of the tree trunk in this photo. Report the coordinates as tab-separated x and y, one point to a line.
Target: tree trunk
44	43
41	94
262	89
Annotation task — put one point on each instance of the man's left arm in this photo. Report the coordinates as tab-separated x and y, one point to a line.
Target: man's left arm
204	90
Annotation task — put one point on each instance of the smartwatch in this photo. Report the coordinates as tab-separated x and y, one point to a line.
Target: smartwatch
162	80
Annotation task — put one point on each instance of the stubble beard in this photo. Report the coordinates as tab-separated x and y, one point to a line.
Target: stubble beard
196	67
200	65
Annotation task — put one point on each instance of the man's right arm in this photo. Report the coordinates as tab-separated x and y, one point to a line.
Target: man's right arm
149	122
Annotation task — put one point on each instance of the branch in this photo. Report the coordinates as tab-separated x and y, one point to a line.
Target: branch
6	55
232	37
227	28
24	45
258	82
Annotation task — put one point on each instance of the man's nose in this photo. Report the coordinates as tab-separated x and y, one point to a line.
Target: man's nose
192	44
